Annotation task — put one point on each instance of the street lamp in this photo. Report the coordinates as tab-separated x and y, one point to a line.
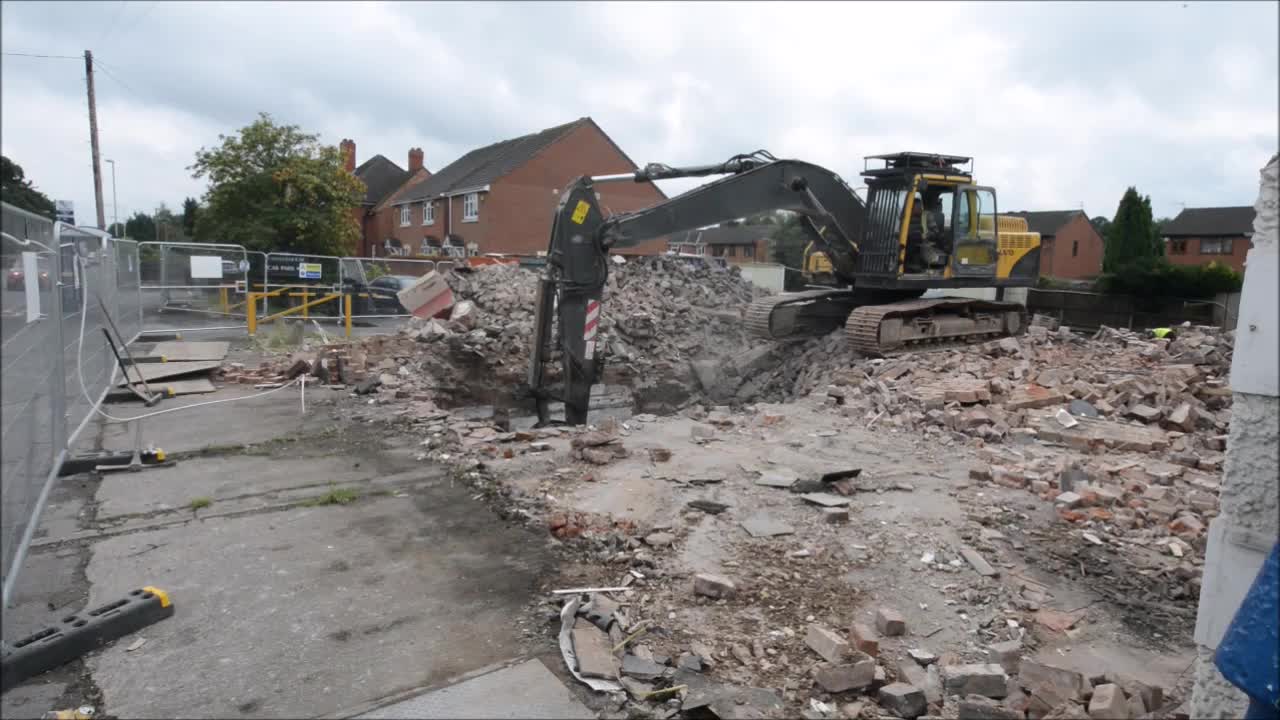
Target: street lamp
115	207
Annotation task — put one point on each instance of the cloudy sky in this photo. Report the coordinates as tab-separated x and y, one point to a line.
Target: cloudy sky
1063	105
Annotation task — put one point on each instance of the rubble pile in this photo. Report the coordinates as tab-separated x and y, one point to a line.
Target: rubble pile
658	315
779	648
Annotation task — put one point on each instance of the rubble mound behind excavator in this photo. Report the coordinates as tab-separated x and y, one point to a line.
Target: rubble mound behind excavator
661	317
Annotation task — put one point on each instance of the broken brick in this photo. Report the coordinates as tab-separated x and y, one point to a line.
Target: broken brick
890	623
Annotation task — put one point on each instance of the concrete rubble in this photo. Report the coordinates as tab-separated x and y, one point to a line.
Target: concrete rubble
1127	489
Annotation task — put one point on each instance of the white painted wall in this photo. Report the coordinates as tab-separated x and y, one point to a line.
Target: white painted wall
1242	535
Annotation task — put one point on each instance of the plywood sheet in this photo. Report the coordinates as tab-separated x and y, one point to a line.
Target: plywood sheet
159	371
176	351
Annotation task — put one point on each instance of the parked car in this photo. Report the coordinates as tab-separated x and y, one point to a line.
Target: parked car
13	278
382	292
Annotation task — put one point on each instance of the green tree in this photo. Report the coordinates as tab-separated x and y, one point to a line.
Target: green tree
190	210
18	191
168	225
274	187
1100	224
1131	239
140	227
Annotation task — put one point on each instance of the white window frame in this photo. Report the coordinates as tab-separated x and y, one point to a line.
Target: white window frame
471	207
428	213
406	215
1221	246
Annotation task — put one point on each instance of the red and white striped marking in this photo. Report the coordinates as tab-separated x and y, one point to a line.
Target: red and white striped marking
589	330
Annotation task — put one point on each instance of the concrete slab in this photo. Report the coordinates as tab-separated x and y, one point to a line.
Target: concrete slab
157	371
175	350
526	690
315	610
254	420
196	386
761	525
230	477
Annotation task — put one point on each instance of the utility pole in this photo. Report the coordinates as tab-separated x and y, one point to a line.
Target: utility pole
93	140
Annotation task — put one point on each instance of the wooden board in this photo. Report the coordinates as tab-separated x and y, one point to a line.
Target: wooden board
177	351
160	371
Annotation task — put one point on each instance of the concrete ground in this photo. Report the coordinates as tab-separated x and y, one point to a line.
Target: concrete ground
315	568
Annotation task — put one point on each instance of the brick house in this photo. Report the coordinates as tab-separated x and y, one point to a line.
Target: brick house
737	244
382	178
500	198
1070	247
1202	235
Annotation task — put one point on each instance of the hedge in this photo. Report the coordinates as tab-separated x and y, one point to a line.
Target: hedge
1159	278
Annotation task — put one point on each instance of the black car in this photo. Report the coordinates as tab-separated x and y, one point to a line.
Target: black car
382	293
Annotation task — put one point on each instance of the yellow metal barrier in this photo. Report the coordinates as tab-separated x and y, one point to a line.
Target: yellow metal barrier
252	316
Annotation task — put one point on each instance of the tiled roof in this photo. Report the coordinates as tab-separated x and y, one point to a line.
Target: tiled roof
381	177
1211	222
484	165
1047	222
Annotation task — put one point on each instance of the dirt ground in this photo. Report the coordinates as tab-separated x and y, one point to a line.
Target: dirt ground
1072	603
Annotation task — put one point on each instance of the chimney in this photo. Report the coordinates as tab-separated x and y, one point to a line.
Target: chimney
348	148
415	159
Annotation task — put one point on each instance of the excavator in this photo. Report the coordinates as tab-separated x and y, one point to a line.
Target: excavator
924	225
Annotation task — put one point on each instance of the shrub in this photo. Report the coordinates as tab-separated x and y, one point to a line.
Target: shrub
1156	277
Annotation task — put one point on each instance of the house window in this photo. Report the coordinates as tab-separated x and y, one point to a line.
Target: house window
428	213
748	251
1215	246
717	250
471	207
1075	248
732	251
405	212
1177	247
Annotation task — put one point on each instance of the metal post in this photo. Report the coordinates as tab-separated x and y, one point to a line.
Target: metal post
115	205
252	316
346	302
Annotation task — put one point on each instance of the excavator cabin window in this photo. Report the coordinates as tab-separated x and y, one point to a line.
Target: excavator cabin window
975	231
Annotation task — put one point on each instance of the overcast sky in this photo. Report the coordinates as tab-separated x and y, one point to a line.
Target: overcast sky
1061	104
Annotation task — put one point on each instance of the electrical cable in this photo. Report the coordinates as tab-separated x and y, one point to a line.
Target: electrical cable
34	55
84	307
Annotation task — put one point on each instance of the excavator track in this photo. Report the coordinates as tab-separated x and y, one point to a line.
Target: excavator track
795	316
931	324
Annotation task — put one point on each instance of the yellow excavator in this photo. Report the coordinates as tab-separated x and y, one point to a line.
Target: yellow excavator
924	225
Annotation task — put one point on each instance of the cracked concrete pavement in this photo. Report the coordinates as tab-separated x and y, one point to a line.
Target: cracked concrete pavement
288	601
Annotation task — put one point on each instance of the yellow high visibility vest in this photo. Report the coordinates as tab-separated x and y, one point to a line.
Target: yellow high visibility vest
1161	332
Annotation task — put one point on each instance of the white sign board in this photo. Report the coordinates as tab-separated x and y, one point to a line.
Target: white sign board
31	283
205	267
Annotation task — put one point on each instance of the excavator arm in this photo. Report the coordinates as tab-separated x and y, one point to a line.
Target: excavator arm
568	306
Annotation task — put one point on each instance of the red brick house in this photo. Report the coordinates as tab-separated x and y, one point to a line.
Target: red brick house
382	178
737	244
1199	236
501	198
1070	247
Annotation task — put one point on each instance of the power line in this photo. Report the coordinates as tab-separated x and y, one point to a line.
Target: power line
59	57
103	67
